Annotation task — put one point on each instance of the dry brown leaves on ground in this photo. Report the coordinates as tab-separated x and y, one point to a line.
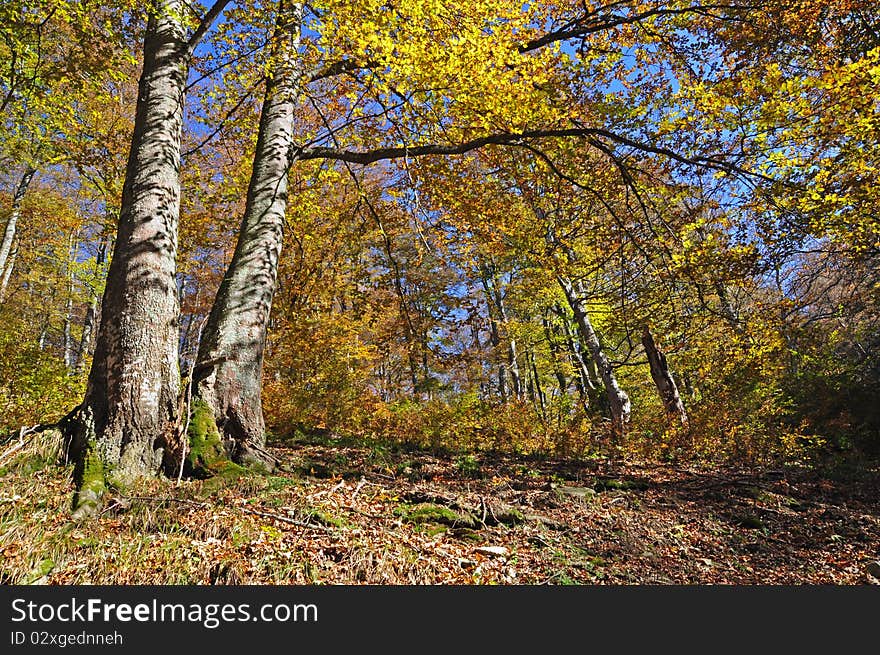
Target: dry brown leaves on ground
368	515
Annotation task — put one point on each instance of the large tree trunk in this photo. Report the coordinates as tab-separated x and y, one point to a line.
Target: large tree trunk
663	379
228	373
618	401
129	414
7	259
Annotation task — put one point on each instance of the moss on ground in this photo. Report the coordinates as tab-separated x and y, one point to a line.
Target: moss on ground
428	513
509	516
325	518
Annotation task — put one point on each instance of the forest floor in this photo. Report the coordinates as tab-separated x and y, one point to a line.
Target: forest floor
338	512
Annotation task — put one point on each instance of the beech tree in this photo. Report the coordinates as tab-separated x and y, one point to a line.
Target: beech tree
130	411
228	373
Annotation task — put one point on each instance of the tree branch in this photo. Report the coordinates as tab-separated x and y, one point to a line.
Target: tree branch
337	68
592	22
206	22
224	120
517	139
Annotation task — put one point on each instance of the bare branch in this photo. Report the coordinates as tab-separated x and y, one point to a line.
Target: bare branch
517	139
337	68
593	22
229	114
206	22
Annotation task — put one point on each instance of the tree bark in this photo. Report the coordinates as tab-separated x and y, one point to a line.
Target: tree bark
663	380
67	338
618	401
129	413
727	311
512	356
85	342
7	274
536	381
6	260
229	366
494	335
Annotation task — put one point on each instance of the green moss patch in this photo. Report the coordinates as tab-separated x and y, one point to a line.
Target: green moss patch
206	457
325	518
429	513
40	573
91	484
613	484
508	515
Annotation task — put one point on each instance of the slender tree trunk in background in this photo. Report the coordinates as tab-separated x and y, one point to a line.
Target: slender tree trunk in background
229	368
727	311
512	356
477	348
129	413
7	254
555	356
88	330
85	342
663	380
494	334
500	320
513	367
14	215
426	369
409	326
536	380
67	337
10	265
618	401
44	332
583	381
685	381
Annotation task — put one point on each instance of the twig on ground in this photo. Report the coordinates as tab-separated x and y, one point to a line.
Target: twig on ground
23	432
285	519
359	486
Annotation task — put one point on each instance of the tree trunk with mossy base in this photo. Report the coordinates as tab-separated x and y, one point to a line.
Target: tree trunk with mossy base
130	410
228	373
